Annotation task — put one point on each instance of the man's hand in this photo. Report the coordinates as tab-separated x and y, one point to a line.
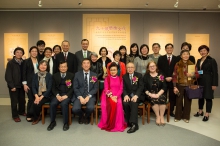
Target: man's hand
134	98
13	89
86	99
126	98
26	88
82	100
63	97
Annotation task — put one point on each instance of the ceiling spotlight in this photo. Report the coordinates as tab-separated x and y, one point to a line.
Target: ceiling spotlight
146	5
40	3
176	4
79	4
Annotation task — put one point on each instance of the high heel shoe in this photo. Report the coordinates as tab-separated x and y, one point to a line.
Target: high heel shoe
158	124
205	118
198	114
162	124
175	120
185	120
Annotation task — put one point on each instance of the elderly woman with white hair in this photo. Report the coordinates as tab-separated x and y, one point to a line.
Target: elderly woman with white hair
96	66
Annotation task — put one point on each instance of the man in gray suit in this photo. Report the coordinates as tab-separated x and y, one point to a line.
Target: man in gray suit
84	53
85	87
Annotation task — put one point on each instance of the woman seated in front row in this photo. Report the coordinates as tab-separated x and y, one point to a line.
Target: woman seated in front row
41	88
155	87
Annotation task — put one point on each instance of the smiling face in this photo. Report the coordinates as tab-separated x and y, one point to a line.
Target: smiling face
123	51
113	71
103	53
117	57
43	67
86	65
48	53
85	45
130	68
57	50
63	67
185	56
144	50
134	50
152	67
203	52
33	53
185	48
156	49
41	48
94	58
18	54
169	49
65	46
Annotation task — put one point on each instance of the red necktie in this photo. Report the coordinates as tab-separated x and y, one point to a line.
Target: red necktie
168	60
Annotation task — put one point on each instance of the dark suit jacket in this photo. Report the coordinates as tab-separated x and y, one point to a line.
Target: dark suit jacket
136	88
165	68
191	58
35	85
98	69
71	61
54	65
79	56
28	71
56	84
209	77
79	85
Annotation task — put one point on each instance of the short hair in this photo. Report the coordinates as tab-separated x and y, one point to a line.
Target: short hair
130	63
86	59
40	42
33	47
154	44
65	41
123	47
94	54
47	48
41	62
62	62
144	45
19	48
203	47
57	46
100	50
84	40
183	51
186	44
147	69
169	44
113	64
116	53
132	46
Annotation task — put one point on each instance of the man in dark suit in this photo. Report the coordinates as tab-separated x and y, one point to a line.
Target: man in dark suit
166	65
132	96
62	93
69	57
85	88
84	53
41	46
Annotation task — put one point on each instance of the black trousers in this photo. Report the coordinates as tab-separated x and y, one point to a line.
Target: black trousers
64	107
30	103
172	99
201	103
131	111
17	102
37	108
77	107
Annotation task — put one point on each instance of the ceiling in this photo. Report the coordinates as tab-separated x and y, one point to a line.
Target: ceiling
211	5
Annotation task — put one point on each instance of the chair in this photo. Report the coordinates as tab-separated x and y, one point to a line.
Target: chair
98	102
70	114
149	107
142	107
47	106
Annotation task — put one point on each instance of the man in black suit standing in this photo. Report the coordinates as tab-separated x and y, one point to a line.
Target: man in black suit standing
132	95
85	87
166	65
67	56
41	46
84	53
62	90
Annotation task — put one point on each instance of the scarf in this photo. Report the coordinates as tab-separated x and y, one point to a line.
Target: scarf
42	82
50	64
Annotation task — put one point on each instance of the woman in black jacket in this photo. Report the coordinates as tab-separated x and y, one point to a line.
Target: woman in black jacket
13	77
41	88
96	67
30	68
208	77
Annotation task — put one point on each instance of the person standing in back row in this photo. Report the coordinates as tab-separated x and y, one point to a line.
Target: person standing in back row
68	57
166	65
84	53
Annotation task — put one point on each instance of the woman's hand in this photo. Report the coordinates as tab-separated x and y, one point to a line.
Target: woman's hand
214	87
114	98
175	90
13	89
189	75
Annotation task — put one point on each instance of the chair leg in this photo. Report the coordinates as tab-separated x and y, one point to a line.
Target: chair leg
92	119
43	117
96	115
168	112
70	115
148	112
143	116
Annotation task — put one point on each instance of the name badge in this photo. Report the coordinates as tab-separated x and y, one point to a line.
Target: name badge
200	72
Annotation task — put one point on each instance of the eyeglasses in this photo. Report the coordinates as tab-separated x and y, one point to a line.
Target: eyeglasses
152	66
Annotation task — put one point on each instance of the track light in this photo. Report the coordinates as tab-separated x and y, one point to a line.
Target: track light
40	3
79	4
176	4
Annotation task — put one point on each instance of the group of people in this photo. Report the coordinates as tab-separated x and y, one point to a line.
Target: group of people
60	77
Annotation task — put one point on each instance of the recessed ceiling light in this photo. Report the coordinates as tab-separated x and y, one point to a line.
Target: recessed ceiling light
40	3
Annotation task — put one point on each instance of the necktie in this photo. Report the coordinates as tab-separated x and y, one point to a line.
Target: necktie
130	79
65	57
86	85
168	60
63	75
84	54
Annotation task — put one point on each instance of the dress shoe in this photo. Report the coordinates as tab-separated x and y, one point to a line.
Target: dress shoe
198	114
205	118
133	128
24	114
36	121
185	120
80	121
172	115
87	121
65	127
175	120
17	119
51	126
